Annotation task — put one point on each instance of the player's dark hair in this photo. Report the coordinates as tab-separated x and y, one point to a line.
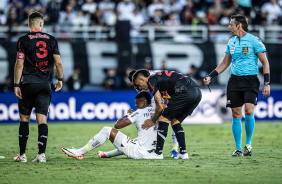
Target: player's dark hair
145	95
34	16
241	19
142	72
130	75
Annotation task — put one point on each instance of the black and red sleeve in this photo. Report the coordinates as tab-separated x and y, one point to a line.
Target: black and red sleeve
152	84
56	47
20	49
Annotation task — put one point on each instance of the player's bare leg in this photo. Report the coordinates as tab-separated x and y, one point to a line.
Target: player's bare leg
23	137
42	137
237	130
98	140
180	135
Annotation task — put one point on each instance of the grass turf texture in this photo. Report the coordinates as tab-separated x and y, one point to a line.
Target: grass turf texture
209	148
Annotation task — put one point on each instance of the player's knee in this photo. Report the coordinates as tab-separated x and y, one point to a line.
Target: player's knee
236	113
249	111
163	119
107	131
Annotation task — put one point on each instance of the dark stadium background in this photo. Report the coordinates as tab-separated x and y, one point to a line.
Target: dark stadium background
99	48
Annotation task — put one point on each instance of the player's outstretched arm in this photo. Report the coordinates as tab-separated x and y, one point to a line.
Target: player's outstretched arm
59	67
219	69
266	72
17	77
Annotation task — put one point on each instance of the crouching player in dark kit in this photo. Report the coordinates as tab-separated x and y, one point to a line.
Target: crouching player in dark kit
37	52
185	97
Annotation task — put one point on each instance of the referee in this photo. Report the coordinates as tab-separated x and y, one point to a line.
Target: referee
37	52
242	52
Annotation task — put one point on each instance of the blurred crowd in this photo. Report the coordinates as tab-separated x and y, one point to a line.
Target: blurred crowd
141	12
138	12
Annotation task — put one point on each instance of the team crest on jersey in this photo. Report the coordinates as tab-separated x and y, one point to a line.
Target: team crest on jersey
20	55
232	50
245	50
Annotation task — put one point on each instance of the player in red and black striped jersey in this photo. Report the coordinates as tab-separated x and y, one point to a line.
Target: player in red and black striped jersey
185	97
36	56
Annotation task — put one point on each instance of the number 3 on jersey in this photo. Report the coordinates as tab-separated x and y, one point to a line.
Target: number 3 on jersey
42	49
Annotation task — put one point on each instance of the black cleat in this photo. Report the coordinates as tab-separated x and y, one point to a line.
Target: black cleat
248	150
237	153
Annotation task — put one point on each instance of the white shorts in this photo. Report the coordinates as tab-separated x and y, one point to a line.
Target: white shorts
130	148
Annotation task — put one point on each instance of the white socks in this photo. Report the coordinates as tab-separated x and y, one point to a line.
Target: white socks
98	140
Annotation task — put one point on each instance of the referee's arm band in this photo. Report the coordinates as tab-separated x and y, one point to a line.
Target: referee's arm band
213	74
266	77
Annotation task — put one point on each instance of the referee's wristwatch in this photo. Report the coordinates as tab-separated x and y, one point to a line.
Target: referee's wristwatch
266	83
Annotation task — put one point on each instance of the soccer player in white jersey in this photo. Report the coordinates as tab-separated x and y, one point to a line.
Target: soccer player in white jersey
141	147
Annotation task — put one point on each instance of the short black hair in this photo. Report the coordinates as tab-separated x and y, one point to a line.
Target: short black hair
130	75
145	95
34	16
241	19
142	72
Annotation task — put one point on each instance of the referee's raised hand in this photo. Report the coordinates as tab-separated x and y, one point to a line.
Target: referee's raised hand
207	80
18	92
58	85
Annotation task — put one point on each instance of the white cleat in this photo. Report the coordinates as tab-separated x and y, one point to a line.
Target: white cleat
154	156
73	153
182	156
40	158
20	158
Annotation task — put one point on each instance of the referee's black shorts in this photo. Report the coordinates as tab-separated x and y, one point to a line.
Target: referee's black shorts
241	90
36	95
182	104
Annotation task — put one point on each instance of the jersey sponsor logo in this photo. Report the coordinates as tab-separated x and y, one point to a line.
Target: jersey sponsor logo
38	36
232	50
228	102
20	55
148	114
245	50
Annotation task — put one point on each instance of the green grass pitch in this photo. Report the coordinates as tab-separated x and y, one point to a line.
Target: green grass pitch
209	148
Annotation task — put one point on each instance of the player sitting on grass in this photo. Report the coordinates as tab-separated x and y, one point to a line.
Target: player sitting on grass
165	96
140	148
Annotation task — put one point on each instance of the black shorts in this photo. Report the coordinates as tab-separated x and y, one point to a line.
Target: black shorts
182	104
241	90
36	95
